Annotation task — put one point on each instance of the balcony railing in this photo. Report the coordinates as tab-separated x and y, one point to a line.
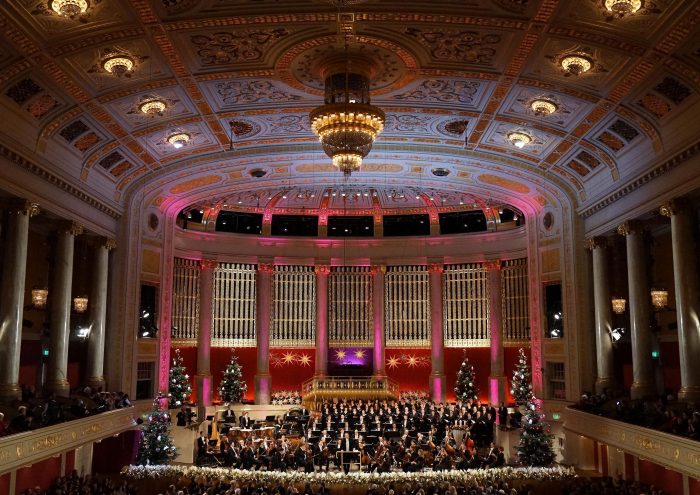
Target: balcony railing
29	447
674	452
349	387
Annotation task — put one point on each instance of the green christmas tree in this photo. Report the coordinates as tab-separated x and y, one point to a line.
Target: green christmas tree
156	445
535	447
232	388
465	386
180	388
520	386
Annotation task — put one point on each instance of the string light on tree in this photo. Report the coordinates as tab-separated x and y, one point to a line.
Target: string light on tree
535	447
179	384
233	387
156	445
465	386
520	386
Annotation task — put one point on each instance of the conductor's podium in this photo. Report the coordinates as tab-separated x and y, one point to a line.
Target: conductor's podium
316	390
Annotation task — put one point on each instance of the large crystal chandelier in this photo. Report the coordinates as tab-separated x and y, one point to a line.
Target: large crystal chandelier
347	124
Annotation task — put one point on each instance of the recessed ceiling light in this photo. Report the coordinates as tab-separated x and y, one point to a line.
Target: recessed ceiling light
118	65
543	107
575	65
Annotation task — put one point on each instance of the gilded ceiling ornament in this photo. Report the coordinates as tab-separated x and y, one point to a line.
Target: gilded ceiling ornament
66	9
252	91
455	45
235	47
443	90
117	61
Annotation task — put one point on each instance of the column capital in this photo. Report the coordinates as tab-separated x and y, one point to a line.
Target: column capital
629	227
70	227
436	267
596	242
105	242
491	265
322	269
378	269
208	264
673	207
266	267
23	206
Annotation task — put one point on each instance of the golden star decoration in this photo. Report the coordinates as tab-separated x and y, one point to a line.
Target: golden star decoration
360	354
289	358
305	360
411	361
393	362
276	361
340	354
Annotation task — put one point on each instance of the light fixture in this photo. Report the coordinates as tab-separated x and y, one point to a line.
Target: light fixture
347	124
118	65
659	298
178	139
575	65
519	139
619	304
152	106
83	332
69	8
616	334
542	107
39	297
623	7
80	304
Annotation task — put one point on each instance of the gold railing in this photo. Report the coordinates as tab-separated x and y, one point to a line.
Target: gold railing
29	447
315	390
674	452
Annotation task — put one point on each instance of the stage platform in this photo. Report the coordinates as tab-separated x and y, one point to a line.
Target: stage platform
185	437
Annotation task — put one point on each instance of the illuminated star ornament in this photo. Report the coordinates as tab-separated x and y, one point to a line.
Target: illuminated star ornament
411	361
289	358
393	362
340	354
276	360
360	354
305	360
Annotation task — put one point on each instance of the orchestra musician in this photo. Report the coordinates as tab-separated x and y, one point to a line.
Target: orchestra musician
245	421
229	415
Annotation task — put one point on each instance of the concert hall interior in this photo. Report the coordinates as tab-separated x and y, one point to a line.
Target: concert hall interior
247	228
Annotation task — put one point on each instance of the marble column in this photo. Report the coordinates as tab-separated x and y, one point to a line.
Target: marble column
497	378
378	272
12	295
98	312
437	376
203	378
685	276
643	383
322	273
602	302
263	380
60	306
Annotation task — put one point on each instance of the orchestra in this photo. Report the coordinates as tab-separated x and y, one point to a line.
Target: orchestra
405	435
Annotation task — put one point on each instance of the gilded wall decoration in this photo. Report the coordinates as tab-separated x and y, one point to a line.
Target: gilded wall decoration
73	130
673	89
111	160
251	91
443	91
243	128
462	46
624	130
86	141
23	90
585	157
654	104
235	47
453	128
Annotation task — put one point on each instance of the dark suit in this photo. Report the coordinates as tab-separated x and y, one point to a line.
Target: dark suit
201	448
229	416
246	422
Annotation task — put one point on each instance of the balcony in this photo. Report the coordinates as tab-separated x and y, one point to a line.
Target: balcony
671	451
29	447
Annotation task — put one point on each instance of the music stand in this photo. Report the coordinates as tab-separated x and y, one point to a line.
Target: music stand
351	458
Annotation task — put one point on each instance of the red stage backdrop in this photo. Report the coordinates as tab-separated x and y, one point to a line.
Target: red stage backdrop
410	367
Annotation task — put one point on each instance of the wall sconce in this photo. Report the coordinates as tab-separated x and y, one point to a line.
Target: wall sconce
39	297
80	304
619	304
659	298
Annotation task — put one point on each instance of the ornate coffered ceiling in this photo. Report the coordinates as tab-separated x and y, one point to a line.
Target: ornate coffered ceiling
454	77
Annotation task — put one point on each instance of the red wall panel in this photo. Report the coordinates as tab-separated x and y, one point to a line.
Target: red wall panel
70	461
5	483
670	365
659	476
111	454
693	485
41	474
410	367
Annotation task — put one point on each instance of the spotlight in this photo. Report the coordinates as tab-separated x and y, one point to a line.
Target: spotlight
617	333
